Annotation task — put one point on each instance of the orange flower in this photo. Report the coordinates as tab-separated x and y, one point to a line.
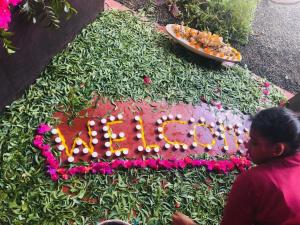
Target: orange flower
207	50
197	46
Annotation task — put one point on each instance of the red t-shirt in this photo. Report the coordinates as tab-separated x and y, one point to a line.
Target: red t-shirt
268	194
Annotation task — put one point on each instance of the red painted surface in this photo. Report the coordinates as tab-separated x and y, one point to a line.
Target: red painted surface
111	4
150	113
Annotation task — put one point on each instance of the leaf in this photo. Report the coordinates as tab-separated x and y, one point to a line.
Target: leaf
115	105
6	34
10	51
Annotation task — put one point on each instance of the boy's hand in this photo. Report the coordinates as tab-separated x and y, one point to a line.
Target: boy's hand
181	219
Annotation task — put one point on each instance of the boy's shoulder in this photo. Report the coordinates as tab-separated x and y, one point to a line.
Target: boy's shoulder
256	174
277	164
266	173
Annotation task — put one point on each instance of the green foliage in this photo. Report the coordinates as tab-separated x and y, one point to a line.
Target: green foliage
47	11
75	103
230	18
110	57
7	44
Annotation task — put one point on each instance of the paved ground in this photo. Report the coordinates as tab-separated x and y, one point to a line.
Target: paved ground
274	47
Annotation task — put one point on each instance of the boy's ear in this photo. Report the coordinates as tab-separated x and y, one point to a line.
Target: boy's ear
279	149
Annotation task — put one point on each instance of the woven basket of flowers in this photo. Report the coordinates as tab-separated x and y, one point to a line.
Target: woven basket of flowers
203	43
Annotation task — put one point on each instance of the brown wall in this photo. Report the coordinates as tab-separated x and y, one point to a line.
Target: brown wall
37	45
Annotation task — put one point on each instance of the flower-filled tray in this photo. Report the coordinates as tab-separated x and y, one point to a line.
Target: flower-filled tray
203	43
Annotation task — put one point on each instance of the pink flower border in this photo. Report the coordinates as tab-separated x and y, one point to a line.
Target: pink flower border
56	172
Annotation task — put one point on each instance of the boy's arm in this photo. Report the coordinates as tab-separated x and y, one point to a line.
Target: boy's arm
240	206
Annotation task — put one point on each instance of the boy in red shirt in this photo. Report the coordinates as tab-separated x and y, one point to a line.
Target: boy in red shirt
268	194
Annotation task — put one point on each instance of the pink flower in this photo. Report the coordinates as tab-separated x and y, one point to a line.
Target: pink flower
85	169
5	15
266	92
52	161
138	163
51	170
54	177
65	176
230	165
267	84
217	104
235	160
44	147
37	143
46	154
210	165
73	171
166	164
180	164
61	171
43	128
188	160
116	164
15	2
38	140
53	174
241	163
245	162
97	167
152	163
197	163
147	80
106	170
222	166
79	170
127	164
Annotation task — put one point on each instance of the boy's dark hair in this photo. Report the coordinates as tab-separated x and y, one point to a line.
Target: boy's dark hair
279	125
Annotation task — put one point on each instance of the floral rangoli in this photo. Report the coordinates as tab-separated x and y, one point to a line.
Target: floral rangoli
126	135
